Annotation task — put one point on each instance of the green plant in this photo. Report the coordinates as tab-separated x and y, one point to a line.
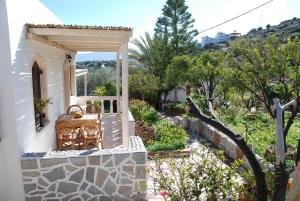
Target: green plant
100	91
199	177
168	136
136	107
149	116
89	102
40	103
97	103
167	131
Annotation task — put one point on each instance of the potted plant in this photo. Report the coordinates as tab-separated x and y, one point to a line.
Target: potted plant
89	106
97	105
40	104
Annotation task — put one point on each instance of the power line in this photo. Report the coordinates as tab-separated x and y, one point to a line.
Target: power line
237	16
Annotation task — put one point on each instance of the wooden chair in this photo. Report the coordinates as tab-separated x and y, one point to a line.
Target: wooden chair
74	108
92	135
66	135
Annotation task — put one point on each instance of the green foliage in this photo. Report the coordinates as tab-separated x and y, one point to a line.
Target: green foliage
209	69
41	103
97	76
175	109
150	116
164	146
176	72
199	177
108	89
176	24
168	136
142	112
143	85
100	91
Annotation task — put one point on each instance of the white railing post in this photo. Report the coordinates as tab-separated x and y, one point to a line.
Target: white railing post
125	93
118	81
111	109
102	106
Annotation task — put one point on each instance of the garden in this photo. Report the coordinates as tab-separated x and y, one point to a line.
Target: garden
235	88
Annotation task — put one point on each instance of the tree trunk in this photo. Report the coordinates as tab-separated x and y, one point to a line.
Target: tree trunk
280	182
261	190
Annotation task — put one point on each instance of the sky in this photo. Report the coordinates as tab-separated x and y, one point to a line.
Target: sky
142	14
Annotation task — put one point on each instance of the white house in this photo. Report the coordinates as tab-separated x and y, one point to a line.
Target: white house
33	40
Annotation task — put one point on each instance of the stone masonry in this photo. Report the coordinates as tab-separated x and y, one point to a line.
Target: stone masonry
86	175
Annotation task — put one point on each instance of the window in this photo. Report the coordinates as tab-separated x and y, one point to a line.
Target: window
36	87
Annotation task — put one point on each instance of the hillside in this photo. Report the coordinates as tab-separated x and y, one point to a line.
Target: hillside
286	29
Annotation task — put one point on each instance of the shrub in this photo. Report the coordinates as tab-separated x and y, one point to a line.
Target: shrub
166	132
162	146
149	116
168	136
136	107
142	112
199	177
175	109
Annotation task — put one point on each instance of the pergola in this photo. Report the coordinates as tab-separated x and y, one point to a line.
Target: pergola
73	38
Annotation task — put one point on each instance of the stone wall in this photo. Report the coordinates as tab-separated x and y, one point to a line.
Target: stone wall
92	175
218	139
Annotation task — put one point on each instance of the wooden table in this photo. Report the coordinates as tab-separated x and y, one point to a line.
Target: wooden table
79	121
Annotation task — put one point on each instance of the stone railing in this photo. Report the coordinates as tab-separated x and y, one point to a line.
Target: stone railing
112	174
217	138
81	100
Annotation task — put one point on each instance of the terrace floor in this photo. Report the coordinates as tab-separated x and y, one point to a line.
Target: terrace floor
112	135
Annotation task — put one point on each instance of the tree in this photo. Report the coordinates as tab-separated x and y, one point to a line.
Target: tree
176	25
176	73
153	53
209	74
143	85
269	69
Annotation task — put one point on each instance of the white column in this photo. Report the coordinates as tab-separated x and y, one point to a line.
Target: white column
67	86
125	93
118	81
11	184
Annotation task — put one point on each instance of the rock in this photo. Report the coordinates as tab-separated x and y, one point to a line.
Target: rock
94	191
119	158
90	172
77	176
139	158
31	174
101	177
78	161
29	187
140	172
29	164
49	162
55	174
65	187
94	160
109	187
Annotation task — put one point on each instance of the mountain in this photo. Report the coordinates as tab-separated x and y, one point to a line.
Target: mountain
95	56
286	29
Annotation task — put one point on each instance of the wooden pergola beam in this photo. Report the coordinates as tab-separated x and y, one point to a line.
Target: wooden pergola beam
31	36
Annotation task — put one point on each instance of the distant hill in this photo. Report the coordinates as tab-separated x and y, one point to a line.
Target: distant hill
95	64
95	56
284	30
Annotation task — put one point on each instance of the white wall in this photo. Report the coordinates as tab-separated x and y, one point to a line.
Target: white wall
181	95
11	188
23	54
